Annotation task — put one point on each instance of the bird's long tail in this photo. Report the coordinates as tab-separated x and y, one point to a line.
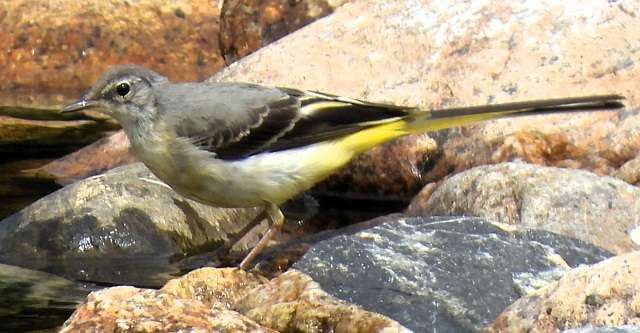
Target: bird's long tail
434	120
454	117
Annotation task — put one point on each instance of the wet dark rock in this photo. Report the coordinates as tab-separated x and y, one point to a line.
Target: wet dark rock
601	210
31	300
19	137
100	228
450	274
19	187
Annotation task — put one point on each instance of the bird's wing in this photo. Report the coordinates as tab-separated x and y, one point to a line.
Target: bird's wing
235	121
258	119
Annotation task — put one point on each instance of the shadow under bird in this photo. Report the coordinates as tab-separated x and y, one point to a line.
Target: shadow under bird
245	145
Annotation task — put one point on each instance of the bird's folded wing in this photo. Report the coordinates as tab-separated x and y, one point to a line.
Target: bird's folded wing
296	119
235	121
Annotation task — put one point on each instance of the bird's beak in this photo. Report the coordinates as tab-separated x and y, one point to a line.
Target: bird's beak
82	104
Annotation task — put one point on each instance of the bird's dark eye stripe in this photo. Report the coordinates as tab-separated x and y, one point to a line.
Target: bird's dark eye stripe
123	89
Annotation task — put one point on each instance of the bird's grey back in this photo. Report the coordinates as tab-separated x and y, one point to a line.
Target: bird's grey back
214	114
212	102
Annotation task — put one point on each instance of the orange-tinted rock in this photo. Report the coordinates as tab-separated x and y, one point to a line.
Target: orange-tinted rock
219	288
439	54
129	309
249	25
228	300
93	159
605	294
54	50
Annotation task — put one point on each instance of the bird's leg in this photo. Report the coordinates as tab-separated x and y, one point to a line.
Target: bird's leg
276	221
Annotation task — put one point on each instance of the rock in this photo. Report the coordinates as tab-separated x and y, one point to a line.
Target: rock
487	52
96	158
226	300
54	51
444	274
18	188
617	329
99	228
218	288
396	167
293	301
629	171
600	210
131	309
605	294
21	137
470	55
31	300
246	26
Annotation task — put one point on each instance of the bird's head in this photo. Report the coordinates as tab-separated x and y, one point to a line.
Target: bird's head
124	92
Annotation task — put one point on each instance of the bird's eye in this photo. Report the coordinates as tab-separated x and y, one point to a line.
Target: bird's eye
123	89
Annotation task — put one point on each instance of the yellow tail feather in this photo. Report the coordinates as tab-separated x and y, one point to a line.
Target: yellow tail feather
419	122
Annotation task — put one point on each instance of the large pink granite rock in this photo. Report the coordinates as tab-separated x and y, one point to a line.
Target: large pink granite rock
436	54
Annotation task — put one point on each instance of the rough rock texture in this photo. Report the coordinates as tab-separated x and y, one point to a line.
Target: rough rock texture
600	210
218	288
444	274
227	300
31	300
445	54
246	26
125	217
294	302
605	294
129	309
54	50
616	329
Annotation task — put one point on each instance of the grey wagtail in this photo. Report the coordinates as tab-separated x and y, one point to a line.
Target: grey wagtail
245	145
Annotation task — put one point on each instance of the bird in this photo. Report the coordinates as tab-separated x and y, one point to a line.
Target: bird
231	144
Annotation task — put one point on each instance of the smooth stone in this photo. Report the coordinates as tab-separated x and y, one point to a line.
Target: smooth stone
124	226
